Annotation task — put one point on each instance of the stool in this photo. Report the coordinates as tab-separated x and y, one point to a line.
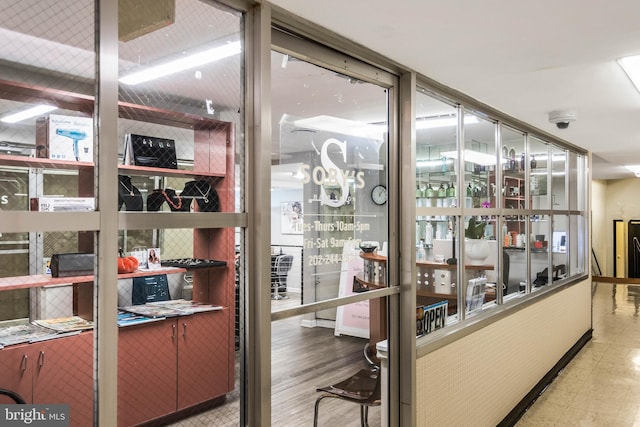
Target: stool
362	388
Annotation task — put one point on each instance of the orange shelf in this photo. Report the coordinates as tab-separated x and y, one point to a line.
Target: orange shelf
38	280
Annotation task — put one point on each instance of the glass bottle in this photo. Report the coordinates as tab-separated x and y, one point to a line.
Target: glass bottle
441	191
451	191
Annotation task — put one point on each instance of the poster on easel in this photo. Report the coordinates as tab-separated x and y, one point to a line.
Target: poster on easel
351	319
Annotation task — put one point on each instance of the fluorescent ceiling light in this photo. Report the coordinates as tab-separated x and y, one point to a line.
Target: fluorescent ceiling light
342	126
634	168
433	163
182	64
476	157
442	121
28	113
631	66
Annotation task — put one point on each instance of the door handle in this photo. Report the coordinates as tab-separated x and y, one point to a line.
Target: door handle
173	332
24	363
41	359
184	330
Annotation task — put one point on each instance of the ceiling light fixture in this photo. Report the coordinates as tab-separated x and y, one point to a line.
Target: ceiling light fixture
342	126
28	113
186	63
635	169
483	159
631	66
442	121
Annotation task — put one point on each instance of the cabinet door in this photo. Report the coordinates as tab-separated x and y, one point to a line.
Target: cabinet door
146	371
16	367
63	373
204	368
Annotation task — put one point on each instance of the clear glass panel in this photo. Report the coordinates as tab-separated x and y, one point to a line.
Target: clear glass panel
559	170
480	161
576	181
329	226
181	150
46	152
436	267
540	243
539	173
436	187
579	248
483	278
558	244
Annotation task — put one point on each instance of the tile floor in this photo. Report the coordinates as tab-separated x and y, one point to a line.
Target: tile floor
601	385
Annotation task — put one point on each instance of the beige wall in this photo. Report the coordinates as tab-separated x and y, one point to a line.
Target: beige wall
479	379
614	199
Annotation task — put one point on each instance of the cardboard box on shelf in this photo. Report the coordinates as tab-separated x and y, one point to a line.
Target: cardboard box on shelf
62	204
65	137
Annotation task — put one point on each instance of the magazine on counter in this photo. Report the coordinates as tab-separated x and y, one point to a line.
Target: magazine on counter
66	324
171	308
23	334
128	319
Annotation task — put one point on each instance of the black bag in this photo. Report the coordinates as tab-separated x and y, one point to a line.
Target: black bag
72	264
150	151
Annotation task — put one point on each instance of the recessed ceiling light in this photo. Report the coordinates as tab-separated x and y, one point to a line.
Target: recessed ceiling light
631	66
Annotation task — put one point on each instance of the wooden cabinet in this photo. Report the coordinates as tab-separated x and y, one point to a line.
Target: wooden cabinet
147	371
16	371
171	365
205	364
58	371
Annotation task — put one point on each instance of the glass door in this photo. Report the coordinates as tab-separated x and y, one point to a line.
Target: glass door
329	235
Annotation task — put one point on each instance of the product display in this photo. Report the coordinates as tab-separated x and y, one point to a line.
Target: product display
62	204
65	138
150	151
72	264
206	197
128	195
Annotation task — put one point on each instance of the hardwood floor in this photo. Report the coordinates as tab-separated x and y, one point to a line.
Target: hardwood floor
302	360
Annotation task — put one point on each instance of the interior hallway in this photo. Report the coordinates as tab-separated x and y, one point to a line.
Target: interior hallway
601	385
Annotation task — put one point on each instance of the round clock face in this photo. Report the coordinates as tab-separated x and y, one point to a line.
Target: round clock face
379	194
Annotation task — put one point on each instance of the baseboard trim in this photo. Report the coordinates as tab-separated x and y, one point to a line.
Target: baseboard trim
521	408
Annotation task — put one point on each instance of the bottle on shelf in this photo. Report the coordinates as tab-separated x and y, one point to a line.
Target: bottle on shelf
451	191
442	192
469	191
421	253
428	234
430	192
418	196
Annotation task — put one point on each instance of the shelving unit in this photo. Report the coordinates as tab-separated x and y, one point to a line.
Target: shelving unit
204	359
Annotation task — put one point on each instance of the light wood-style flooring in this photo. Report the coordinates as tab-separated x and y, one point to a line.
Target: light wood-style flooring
302	360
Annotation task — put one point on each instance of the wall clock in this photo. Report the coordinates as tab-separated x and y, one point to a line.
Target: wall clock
379	194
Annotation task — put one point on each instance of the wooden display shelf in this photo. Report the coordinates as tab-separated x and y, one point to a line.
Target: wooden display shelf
38	280
36	162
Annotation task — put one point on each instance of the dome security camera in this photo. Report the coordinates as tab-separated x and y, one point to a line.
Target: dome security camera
562	118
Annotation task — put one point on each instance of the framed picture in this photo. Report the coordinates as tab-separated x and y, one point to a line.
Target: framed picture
291	217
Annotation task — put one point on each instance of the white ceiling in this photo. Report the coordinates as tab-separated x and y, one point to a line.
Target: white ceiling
523	58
